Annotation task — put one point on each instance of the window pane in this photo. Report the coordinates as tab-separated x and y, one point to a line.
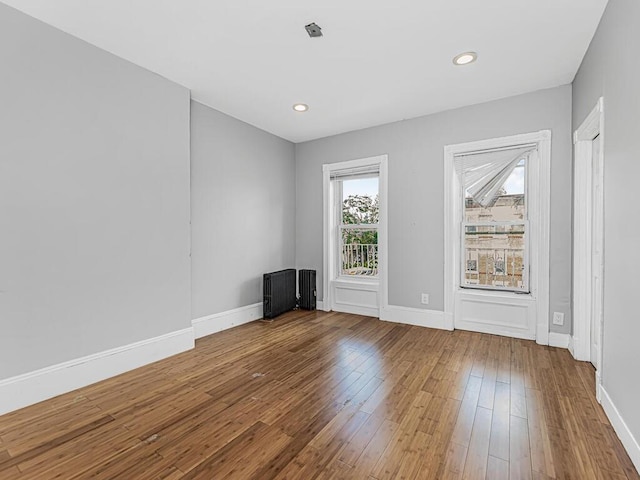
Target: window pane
510	205
359	251
360	201
494	256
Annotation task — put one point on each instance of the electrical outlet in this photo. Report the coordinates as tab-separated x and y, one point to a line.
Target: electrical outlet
425	299
558	318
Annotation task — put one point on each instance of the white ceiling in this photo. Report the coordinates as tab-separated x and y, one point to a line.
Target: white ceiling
378	62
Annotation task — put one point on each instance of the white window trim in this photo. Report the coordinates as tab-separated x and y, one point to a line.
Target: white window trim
538	243
592	127
328	245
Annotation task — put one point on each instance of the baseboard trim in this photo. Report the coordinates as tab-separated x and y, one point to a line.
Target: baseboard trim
626	437
414	316
319	305
560	340
357	310
571	346
218	322
33	387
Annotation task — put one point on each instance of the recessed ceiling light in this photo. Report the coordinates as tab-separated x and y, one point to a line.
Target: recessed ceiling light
465	58
300	107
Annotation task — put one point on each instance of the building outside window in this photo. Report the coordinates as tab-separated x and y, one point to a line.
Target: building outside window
495	222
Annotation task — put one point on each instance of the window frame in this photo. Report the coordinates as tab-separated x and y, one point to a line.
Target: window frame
540	174
340	227
526	289
379	285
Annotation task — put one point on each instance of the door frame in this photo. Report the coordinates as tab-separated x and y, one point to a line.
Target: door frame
539	245
328	234
591	127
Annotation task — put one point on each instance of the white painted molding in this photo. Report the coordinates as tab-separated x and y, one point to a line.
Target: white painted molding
583	212
619	425
354	309
560	340
329	233
218	322
415	316
539	246
592	125
571	346
33	387
542	245
383	234
327	250
319	305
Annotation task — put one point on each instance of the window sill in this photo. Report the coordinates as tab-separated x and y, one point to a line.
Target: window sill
371	284
482	292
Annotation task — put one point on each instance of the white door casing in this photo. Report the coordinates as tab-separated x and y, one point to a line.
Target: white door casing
498	312
597	254
588	241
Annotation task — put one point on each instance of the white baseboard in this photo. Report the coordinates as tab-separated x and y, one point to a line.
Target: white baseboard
560	340
414	316
626	437
357	310
218	322
33	387
571	346
319	305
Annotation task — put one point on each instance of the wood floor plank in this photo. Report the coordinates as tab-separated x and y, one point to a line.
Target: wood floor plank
48	444
497	469
500	422
367	462
315	395
453	466
539	438
464	423
356	445
475	466
519	452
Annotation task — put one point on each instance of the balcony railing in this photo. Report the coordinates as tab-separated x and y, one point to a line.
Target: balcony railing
360	260
495	267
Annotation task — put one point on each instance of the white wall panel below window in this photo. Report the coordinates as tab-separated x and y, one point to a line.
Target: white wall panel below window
511	315
360	298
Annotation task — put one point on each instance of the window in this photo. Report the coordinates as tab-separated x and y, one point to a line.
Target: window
495	220
354	242
358	219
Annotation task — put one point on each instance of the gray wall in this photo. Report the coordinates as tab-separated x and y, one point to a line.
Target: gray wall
416	190
94	199
609	70
243	210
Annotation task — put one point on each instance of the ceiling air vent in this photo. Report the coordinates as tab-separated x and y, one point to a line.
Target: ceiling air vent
313	30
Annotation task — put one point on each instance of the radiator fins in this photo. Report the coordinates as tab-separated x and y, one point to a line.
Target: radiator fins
307	289
279	292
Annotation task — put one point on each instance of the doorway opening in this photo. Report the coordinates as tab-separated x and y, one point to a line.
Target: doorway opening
588	241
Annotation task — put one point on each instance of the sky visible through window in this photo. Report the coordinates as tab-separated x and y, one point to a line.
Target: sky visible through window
361	186
515	182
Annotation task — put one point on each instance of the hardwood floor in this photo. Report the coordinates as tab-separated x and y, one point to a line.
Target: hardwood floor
327	396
